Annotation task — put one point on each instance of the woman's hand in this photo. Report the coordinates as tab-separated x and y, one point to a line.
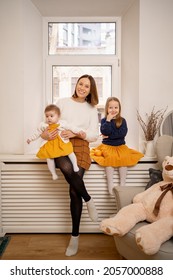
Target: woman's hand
49	135
66	134
81	134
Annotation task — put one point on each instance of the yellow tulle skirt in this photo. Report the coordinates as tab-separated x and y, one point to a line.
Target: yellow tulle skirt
54	148
115	156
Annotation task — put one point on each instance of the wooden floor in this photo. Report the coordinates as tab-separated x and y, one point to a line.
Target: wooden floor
52	247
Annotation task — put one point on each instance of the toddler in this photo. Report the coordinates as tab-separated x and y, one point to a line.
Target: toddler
59	146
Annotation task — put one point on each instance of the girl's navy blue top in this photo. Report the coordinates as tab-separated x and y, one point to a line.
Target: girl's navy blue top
116	136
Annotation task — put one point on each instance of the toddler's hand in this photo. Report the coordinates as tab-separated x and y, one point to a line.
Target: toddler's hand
67	134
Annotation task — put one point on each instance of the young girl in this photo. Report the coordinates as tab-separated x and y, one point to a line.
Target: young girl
57	147
113	152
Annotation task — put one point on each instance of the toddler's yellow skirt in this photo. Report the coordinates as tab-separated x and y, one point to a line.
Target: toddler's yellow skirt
55	148
115	156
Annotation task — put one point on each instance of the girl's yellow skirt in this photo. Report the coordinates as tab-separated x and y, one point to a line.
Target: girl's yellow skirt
55	148
115	156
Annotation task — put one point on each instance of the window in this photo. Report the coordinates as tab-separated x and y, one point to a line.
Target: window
64	79
84	47
82	38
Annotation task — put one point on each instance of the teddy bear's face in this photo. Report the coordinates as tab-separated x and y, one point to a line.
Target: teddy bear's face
168	168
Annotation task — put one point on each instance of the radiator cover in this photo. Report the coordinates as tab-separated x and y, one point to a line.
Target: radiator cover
30	201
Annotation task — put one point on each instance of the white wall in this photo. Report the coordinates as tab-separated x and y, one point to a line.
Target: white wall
11	77
147	62
155	55
130	72
20	72
33	78
147	67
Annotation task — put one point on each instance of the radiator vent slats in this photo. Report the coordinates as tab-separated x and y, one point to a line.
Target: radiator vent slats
32	202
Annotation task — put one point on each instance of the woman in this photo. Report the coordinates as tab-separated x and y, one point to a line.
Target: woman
80	111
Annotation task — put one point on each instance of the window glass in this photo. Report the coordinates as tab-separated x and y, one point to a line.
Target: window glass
64	79
82	38
73	49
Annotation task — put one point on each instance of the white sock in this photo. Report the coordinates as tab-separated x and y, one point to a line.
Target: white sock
122	174
73	159
52	169
92	210
73	246
75	168
54	176
109	175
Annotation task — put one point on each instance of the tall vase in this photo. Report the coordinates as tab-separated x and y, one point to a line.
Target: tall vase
149	149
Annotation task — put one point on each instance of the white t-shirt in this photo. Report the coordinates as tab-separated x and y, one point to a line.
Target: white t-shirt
81	115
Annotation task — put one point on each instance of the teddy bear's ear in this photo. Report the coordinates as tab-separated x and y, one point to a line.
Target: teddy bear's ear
167	157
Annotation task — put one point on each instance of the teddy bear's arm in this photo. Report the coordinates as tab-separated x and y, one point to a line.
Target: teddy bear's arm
138	197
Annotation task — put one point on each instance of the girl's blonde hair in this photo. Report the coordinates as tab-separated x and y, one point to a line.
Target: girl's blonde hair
119	119
52	107
92	97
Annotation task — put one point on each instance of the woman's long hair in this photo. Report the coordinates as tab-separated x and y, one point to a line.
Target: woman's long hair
119	119
92	97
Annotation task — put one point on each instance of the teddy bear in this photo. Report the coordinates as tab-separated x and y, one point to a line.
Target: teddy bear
154	205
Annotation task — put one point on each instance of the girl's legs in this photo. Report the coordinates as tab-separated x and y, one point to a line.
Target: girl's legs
122	174
109	170
109	174
51	167
73	159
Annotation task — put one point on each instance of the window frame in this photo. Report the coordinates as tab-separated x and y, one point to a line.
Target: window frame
81	60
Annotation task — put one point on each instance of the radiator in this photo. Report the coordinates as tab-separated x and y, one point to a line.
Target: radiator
30	201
